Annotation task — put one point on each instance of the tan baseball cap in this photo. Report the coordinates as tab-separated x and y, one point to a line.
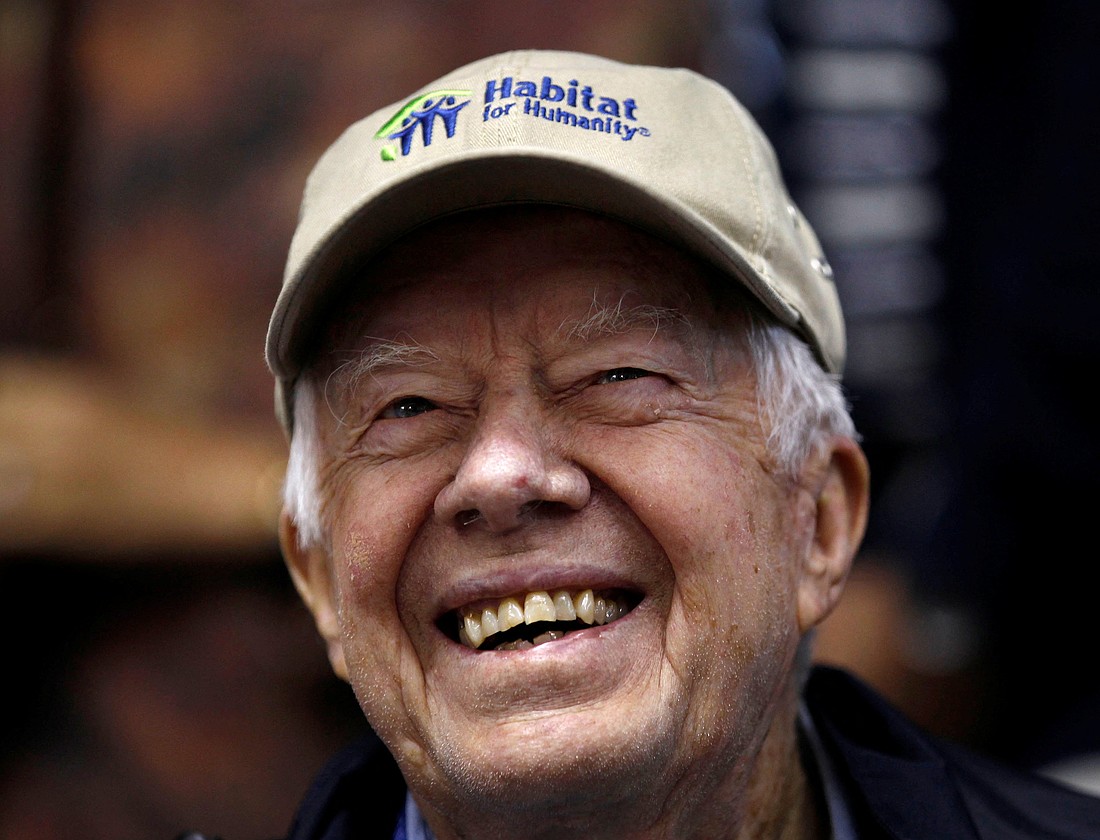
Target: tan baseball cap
664	149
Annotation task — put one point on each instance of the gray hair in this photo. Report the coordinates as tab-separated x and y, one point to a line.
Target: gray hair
301	486
801	406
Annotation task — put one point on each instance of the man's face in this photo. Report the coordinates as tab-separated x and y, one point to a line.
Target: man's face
552	403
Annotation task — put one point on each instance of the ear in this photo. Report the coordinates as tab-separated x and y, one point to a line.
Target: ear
839	495
311	572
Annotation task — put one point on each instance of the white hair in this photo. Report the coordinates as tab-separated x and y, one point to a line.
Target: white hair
301	486
801	406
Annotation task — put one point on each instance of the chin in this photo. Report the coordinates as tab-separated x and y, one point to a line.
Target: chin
561	764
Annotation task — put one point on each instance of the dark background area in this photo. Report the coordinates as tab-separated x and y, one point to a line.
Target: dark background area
161	673
1023	180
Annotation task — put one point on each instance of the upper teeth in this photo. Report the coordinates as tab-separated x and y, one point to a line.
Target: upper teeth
476	625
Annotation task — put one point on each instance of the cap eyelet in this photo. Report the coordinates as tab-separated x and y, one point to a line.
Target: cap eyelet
822	267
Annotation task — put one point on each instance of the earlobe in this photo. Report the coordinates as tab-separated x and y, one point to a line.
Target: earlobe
311	573
841	495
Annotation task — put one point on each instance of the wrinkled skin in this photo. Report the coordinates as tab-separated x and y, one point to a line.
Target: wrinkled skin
518	444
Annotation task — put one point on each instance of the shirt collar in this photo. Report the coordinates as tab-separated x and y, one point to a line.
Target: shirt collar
841	823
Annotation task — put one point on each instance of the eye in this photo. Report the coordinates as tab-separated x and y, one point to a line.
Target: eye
405	407
622	375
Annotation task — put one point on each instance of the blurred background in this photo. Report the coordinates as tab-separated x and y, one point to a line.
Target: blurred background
161	674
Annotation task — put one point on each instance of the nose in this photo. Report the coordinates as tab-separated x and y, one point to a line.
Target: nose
510	469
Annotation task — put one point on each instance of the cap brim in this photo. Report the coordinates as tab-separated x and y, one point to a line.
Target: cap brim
482	179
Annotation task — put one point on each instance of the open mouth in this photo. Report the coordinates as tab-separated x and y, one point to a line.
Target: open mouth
523	621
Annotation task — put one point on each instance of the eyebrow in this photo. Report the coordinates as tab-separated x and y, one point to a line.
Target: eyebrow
382	354
602	320
614	319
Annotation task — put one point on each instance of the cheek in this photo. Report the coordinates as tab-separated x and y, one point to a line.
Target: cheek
372	528
368	619
383	669
726	528
375	517
695	497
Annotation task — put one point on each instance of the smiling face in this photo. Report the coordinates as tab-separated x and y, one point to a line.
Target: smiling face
544	419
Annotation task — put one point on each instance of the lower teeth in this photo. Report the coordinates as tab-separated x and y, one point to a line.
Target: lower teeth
540	639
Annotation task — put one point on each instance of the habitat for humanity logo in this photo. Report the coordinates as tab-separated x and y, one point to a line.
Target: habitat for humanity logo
421	112
572	105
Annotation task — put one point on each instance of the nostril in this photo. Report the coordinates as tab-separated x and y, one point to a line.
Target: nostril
527	507
472	515
468	517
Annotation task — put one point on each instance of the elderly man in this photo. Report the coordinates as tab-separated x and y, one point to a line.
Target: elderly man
572	480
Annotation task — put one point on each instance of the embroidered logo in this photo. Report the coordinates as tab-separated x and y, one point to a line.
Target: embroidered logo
421	112
571	105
